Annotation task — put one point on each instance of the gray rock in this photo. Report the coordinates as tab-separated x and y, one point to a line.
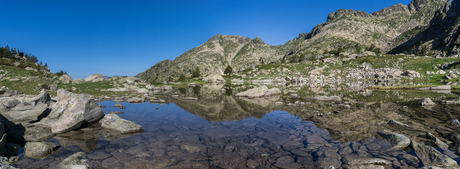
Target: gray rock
113	122
44	97
95	78
437	159
437	142
286	162
26	113
118	105
10	103
39	150
398	141
71	111
78	81
65	79
427	102
37	134
229	160
73	161
135	100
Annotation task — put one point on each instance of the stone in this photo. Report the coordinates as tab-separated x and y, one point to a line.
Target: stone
411	73
135	100
71	111
272	92
398	141
95	78
12	149
215	78
66	79
316	72
437	142
229	160
78	81
73	161
39	150
119	105
113	122
427	102
25	114
10	103
37	134
441	72
437	159
286	162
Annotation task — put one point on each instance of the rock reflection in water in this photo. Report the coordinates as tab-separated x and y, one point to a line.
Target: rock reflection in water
174	138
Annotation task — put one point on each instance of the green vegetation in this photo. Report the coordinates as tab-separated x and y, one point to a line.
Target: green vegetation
196	72
228	70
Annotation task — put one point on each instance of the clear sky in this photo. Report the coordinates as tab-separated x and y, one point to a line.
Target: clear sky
115	37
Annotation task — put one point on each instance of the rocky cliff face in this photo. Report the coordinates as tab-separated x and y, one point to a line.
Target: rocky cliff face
213	57
355	31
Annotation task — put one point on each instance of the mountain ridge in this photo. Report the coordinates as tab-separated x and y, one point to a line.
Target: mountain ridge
345	30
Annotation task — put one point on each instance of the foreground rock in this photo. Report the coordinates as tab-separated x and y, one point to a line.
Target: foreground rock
114	122
28	111
398	141
71	111
427	154
38	150
95	78
258	92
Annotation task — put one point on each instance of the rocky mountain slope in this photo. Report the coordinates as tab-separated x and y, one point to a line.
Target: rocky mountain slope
213	57
416	28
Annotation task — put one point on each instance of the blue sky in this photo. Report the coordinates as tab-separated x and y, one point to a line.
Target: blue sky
115	37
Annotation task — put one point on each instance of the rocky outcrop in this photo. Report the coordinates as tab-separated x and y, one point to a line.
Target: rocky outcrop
65	79
113	122
78	81
95	78
427	102
429	153
71	111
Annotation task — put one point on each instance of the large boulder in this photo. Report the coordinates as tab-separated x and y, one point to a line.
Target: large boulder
39	150
65	79
71	111
114	122
95	78
215	78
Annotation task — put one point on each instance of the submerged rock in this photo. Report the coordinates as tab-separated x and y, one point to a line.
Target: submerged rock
429	153
73	161
398	141
113	122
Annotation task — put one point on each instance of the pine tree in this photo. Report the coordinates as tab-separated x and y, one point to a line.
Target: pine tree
196	72
182	77
228	70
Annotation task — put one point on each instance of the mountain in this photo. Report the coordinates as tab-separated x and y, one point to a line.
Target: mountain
213	57
355	31
423	27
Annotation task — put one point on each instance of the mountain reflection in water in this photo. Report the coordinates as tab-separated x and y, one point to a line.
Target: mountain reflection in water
220	131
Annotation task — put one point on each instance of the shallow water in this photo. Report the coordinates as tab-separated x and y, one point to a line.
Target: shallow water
225	132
